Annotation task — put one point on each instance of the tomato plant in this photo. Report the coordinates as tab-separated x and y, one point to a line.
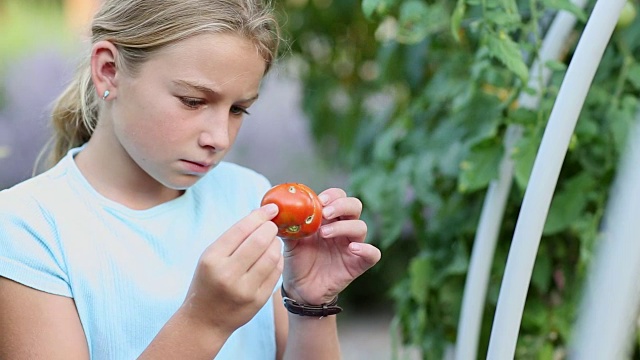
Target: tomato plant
300	212
413	99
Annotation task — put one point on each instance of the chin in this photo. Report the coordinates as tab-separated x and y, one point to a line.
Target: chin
182	183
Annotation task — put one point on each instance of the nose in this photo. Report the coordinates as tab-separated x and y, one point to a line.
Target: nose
215	133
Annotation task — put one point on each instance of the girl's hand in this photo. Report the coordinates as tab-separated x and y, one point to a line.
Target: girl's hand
320	266
236	274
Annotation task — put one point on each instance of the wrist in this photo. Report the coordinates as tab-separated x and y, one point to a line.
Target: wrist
186	337
302	309
304	296
203	324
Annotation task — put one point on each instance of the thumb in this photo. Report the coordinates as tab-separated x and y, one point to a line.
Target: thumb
367	254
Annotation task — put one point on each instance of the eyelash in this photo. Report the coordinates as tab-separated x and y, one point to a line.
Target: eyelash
194	103
239	110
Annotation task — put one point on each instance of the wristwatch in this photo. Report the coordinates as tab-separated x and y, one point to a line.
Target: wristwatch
322	310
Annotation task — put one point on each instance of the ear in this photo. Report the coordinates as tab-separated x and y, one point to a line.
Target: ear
103	68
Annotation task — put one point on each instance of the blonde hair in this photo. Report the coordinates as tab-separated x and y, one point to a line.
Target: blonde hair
138	29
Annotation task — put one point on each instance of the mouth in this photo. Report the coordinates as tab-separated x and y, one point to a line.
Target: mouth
197	167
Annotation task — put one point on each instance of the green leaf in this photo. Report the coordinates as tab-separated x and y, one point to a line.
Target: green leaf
503	48
456	18
417	20
502	19
634	75
384	149
376	7
420	272
424	177
619	119
567	5
511	7
480	167
492	4
587	129
524	155
456	264
555	65
541	276
569	203
547	352
384	194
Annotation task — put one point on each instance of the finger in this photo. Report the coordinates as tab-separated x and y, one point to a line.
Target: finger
269	283
343	208
329	195
266	272
355	230
269	259
228	242
255	246
367	254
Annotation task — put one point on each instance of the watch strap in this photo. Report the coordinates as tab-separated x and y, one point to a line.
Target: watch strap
297	308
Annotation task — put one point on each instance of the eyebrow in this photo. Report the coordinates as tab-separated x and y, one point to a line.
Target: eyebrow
205	89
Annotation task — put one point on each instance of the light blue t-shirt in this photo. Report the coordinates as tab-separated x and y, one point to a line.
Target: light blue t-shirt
127	270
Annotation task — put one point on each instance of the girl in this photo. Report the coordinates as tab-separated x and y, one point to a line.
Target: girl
141	242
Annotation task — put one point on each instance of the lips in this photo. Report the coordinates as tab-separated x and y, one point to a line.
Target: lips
197	167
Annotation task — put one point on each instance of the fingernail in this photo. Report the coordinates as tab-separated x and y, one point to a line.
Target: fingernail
328	211
355	247
324	198
326	230
271	209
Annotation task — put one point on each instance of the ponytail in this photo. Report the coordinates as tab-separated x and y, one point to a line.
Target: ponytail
74	114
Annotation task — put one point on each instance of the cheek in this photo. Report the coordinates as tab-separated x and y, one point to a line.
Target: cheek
151	129
234	129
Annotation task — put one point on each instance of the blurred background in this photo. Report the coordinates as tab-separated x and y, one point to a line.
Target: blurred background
404	103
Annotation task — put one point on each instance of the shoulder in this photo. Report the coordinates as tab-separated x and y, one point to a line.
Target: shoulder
22	199
29	196
27	210
30	249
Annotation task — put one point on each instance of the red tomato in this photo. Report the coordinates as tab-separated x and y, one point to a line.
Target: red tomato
300	212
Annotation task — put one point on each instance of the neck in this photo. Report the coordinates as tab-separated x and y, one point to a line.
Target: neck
113	174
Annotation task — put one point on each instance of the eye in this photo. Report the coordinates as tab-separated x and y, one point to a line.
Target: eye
239	110
190	102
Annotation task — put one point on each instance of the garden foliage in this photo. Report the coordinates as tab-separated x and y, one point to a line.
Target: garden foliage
412	98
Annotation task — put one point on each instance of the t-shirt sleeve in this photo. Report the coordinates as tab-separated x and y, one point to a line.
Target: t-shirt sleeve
29	248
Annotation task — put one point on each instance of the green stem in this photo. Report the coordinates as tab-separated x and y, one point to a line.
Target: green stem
627	61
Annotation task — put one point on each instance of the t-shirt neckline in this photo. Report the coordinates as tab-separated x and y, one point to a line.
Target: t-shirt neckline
114	205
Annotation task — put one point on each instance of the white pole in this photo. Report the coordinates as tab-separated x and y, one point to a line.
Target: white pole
493	208
607	317
544	177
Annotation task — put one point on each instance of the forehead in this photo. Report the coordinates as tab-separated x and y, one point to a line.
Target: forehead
218	58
